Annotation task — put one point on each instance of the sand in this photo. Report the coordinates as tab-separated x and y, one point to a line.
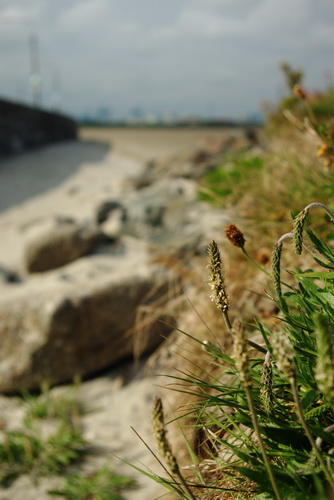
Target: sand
70	179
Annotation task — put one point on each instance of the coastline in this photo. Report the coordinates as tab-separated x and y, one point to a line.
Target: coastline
122	403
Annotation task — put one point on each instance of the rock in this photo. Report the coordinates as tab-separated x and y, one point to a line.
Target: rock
105	208
252	136
113	226
80	320
148	208
8	276
168	215
60	244
111	216
200	157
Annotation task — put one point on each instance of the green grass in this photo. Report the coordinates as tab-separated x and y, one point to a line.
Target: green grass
267	411
27	452
324	108
103	484
284	400
226	178
33	451
265	190
46	405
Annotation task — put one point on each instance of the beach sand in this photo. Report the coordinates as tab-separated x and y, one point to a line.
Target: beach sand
70	179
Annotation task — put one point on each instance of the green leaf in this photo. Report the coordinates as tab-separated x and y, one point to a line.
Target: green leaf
324	275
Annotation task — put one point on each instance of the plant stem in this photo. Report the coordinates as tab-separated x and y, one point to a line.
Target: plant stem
310	113
261	444
185	485
308	432
254	262
317	204
249	342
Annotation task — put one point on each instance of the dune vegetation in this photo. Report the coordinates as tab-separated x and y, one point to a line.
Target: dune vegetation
266	409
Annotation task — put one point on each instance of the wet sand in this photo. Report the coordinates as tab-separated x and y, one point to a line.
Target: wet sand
30	174
147	144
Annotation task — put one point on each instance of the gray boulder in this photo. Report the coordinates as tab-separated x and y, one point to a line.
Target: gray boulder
105	208
81	319
8	276
59	244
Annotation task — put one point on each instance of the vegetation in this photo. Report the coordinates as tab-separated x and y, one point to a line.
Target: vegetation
292	169
269	417
267	411
104	484
55	449
228	179
65	406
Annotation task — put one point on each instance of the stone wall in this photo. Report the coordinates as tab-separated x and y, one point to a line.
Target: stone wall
23	127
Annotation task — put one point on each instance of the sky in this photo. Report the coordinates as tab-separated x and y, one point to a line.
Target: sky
207	58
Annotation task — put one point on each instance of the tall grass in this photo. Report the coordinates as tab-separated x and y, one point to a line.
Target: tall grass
266	412
268	419
293	167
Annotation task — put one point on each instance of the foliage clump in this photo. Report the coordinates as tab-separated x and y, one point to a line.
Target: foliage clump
270	428
50	442
267	411
104	484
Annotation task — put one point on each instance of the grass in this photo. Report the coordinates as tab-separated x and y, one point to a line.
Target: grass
28	452
222	182
269	429
45	405
55	449
266	412
104	484
294	169
260	189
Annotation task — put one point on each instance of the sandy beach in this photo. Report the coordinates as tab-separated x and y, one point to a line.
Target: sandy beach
69	180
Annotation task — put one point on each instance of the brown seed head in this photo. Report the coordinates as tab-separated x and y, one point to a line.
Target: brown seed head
299	92
322	151
263	258
235	236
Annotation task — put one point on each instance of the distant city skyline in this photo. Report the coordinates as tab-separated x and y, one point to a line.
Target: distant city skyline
121	58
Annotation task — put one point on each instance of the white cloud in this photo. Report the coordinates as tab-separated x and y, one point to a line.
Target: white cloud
184	54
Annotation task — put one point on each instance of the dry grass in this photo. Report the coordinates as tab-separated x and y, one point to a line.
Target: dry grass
293	177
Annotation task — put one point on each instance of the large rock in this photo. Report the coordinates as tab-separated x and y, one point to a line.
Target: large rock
157	212
59	243
168	215
79	320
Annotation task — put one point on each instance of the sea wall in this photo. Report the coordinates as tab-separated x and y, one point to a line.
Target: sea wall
23	127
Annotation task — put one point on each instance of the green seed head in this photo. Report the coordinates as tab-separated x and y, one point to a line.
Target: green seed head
160	435
216	278
298	227
284	354
276	267
266	393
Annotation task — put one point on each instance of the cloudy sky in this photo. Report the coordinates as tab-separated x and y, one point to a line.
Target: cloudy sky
185	57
